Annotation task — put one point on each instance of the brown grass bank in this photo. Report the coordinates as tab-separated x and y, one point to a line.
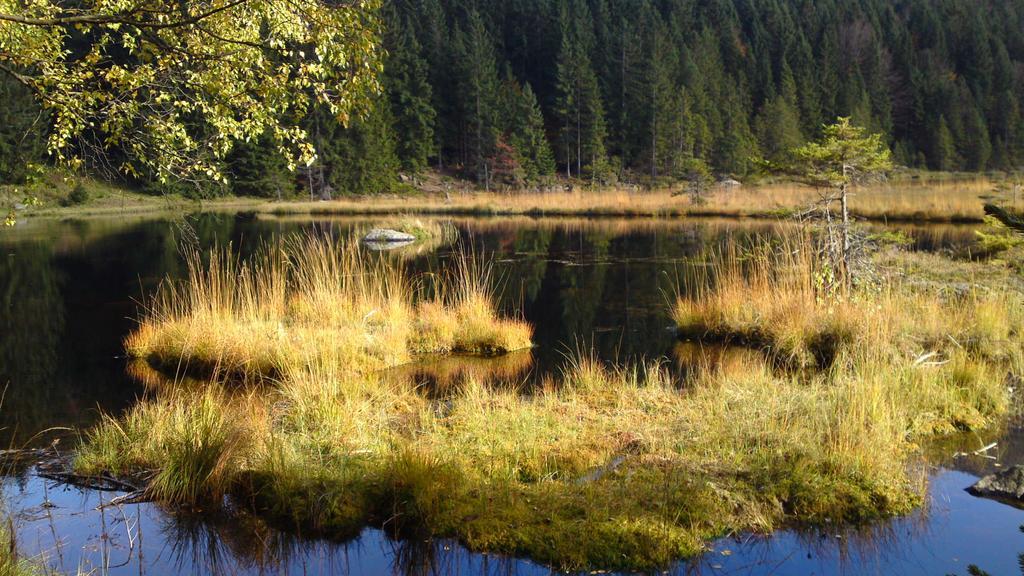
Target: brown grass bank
936	202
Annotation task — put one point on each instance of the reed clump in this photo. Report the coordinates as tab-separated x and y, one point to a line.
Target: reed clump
782	299
308	298
944	356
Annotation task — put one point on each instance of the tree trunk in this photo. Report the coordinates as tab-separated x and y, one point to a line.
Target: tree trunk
844	198
654	132
579	140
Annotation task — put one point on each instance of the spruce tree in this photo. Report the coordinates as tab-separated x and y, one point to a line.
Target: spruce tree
256	168
778	130
657	101
524	125
579	109
478	89
360	158
410	96
714	81
943	155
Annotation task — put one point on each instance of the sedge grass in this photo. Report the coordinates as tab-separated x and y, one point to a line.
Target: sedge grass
308	299
647	471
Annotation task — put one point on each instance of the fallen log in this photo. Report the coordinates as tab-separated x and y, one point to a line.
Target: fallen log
1005	216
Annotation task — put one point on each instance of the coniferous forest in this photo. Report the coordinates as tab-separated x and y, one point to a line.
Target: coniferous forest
515	93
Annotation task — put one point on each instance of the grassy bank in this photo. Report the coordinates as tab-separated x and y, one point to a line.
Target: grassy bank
57	194
599	467
934	202
931	199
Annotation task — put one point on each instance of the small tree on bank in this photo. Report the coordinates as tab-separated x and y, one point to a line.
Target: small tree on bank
844	157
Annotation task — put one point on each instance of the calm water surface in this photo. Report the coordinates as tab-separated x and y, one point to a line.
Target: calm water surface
69	293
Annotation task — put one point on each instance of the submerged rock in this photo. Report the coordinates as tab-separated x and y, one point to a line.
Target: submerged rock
385	235
1004	485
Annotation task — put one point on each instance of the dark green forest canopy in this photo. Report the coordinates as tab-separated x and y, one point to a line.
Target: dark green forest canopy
510	92
687	84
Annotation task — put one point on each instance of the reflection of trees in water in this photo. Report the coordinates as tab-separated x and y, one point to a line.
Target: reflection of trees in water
68	291
577	283
526	272
31	323
234	542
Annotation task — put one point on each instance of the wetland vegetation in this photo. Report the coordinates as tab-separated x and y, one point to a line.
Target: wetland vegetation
823	426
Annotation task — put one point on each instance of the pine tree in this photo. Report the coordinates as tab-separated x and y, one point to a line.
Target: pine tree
845	156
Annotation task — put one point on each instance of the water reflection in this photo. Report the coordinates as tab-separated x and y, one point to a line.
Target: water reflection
439	376
953	531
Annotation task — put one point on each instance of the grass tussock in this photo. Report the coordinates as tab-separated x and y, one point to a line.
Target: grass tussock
776	297
310	300
938	359
598	467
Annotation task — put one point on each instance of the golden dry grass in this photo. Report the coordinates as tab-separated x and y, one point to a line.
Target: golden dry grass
311	300
957	201
774	298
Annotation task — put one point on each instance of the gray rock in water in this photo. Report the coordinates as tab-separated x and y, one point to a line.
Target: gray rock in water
383	246
384	235
1005	485
18	206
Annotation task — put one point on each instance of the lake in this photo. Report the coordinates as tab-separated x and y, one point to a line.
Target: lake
71	292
